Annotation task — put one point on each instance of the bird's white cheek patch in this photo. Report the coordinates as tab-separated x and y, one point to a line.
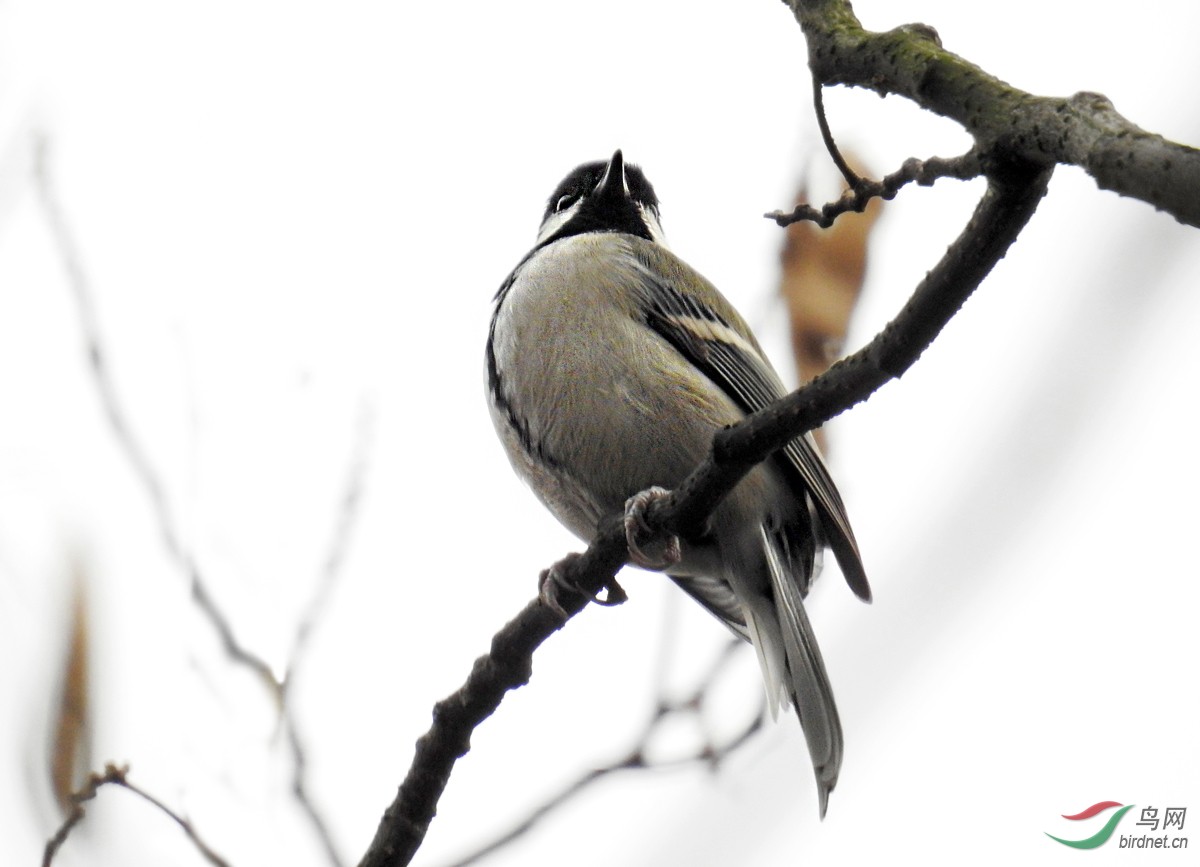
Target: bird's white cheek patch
556	221
653	226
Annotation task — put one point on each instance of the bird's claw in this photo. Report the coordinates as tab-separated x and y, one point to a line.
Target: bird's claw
638	532
556	580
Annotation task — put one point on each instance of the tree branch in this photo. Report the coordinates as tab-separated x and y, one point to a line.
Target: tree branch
138	456
346	521
1013	193
924	172
118	421
1012	196
640	757
118	776
1084	130
1019	138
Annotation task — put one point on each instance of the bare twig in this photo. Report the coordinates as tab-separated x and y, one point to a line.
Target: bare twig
638	757
346	520
133	449
855	199
143	468
117	776
1013	194
853	180
303	798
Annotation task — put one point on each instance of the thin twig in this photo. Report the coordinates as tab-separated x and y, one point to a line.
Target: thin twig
345	522
853	181
134	451
710	754
117	776
856	198
152	484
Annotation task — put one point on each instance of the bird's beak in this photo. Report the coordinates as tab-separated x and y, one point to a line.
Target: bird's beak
612	186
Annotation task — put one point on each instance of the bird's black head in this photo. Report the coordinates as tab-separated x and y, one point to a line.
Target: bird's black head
602	197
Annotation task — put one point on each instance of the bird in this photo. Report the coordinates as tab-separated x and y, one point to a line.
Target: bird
610	364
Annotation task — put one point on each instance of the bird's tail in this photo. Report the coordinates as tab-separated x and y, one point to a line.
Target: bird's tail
794	671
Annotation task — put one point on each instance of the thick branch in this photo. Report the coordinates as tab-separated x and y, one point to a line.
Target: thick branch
507	666
1083	130
1012	196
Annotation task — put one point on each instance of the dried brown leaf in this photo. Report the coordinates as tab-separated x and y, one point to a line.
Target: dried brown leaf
70	754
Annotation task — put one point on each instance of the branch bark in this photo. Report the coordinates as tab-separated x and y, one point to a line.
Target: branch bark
1084	130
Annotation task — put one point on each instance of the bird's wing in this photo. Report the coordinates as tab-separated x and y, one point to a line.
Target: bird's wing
706	330
718	599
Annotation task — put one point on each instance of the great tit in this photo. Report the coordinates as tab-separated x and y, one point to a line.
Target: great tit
610	365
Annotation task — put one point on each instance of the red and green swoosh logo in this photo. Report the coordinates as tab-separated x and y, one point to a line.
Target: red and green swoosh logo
1101	836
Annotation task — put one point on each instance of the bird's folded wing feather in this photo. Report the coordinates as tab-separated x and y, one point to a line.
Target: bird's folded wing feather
714	337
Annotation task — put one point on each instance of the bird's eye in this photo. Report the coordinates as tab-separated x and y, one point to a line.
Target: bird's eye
563	202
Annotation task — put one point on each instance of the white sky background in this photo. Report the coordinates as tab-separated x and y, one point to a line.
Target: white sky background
293	218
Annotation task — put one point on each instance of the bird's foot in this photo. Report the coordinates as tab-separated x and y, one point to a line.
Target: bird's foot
645	550
559	579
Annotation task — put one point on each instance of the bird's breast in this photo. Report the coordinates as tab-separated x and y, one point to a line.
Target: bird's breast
587	390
